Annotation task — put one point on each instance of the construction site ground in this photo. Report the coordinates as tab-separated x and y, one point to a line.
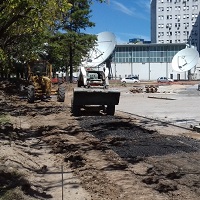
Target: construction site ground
148	151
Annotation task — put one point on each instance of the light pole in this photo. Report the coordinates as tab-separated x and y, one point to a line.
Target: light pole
149	64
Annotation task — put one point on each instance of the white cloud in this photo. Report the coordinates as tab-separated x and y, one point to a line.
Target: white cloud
122	8
134	11
145	5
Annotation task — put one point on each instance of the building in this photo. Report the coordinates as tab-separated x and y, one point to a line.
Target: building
174	24
149	61
138	40
175	21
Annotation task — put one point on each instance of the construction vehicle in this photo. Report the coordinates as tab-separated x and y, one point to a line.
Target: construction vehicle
39	85
93	81
93	92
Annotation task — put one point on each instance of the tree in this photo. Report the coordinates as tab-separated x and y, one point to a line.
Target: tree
76	20
23	24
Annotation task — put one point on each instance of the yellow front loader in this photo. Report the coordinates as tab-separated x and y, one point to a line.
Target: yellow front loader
39	74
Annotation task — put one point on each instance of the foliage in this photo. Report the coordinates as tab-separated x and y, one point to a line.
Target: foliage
26	25
23	24
4	119
59	49
75	20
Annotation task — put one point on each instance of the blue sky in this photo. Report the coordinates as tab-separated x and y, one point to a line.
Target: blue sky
125	18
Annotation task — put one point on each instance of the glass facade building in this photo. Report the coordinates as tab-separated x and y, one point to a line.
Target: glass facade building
153	53
149	61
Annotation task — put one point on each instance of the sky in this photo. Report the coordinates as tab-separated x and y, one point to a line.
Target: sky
127	19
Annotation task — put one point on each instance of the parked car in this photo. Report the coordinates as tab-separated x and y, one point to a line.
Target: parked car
164	80
130	80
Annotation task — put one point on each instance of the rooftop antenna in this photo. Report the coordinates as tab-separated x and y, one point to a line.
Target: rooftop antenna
106	43
185	59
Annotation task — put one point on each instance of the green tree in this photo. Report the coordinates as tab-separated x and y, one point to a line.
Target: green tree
76	20
23	24
58	49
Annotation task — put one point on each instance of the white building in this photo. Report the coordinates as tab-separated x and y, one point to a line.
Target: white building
149	61
175	21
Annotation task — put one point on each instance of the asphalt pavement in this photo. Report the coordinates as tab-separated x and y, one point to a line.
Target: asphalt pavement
176	104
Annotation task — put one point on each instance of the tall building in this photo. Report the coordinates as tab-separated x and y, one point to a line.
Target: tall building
175	21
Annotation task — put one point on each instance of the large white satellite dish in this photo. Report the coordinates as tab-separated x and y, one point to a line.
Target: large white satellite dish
185	60
106	43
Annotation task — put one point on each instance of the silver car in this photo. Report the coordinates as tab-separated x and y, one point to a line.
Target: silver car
164	80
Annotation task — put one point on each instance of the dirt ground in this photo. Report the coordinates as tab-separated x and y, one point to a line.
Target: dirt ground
46	153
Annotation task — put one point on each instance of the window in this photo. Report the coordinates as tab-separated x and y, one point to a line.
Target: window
160	34
177	25
169	8
186	16
169	16
195	7
177	8
177	33
177	17
169	33
169	25
161	9
161	17
185	32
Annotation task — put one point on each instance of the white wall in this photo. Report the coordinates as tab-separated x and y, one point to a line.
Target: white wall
150	71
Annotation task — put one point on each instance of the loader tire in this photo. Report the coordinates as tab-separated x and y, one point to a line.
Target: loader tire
31	94
75	109
61	93
110	109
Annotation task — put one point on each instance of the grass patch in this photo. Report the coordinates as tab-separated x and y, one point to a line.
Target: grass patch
4	119
12	185
13	194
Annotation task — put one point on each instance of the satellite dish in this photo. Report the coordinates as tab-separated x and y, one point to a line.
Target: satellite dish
185	60
106	43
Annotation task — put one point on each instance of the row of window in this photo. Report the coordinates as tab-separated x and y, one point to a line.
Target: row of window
177	25
142	60
175	1
170	33
145	54
130	49
178	17
178	8
193	41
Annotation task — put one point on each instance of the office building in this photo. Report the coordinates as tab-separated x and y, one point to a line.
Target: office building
148	61
175	24
175	21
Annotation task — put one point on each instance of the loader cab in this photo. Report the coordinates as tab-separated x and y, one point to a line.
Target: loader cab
95	75
40	68
95	78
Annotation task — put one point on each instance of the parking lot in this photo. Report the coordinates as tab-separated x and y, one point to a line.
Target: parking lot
177	104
